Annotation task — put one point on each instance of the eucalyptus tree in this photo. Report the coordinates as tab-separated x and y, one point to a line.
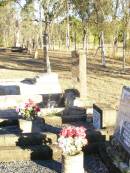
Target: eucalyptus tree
29	28
7	23
51	10
83	10
124	9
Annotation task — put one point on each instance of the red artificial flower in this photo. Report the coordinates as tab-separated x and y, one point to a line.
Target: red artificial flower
71	132
37	109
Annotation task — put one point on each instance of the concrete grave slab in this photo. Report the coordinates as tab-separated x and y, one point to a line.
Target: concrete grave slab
38	152
47	83
11	101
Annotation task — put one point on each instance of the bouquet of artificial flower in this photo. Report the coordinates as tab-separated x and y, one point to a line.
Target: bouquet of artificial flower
28	110
72	139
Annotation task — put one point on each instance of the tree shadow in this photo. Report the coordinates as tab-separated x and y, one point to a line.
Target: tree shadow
41	150
52	164
112	69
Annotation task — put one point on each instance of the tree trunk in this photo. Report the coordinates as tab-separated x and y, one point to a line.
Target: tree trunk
102	49
45	50
115	41
68	34
84	39
17	34
75	40
68	28
124	47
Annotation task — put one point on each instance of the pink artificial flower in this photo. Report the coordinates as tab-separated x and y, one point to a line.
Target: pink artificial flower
63	132
80	131
17	109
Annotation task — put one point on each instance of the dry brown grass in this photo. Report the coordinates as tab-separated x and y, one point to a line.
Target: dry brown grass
104	83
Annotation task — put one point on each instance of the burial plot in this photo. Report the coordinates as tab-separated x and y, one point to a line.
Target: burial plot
119	150
44	90
47	86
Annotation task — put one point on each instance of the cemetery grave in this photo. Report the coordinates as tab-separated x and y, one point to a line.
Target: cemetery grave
41	143
61	110
115	153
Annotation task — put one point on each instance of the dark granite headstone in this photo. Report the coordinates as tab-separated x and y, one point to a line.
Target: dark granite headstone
97	117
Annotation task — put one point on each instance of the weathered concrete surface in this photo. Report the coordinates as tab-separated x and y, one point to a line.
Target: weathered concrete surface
53	120
108	132
39	152
47	83
108	114
51	111
12	101
27	139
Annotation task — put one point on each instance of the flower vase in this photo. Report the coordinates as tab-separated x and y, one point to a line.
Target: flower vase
25	126
72	164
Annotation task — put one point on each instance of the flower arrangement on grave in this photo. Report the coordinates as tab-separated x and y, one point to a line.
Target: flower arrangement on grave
72	140
28	110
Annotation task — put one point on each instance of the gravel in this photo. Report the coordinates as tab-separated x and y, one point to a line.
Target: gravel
30	167
92	164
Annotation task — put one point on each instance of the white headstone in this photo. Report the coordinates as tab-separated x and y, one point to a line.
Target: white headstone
122	130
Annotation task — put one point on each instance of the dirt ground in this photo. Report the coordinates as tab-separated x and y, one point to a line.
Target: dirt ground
104	83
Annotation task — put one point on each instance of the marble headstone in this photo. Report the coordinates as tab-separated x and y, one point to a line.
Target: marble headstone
122	130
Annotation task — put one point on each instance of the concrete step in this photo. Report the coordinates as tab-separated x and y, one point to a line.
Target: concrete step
54	121
58	120
31	139
38	152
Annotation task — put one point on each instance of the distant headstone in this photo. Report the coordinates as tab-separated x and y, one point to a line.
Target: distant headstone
69	96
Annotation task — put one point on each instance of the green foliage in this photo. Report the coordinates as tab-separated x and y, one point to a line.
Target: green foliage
1	41
5	2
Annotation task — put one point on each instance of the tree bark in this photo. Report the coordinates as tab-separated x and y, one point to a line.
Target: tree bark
45	46
102	49
115	41
124	47
84	39
68	28
45	50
